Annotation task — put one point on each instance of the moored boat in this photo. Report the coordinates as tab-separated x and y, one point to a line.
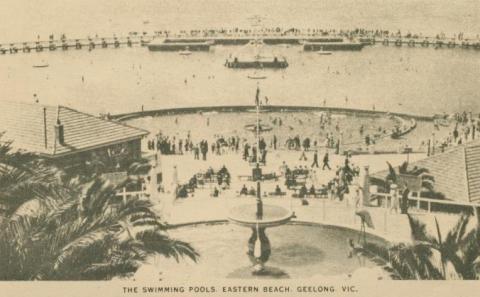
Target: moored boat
256	76
186	52
324	53
41	64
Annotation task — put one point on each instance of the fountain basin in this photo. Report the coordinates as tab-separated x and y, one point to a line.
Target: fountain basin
246	215
301	250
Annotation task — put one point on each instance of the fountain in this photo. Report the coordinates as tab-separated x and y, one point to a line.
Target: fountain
260	216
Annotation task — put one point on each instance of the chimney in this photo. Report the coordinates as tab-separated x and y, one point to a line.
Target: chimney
59	133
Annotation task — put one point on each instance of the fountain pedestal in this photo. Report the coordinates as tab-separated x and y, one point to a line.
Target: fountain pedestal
259	248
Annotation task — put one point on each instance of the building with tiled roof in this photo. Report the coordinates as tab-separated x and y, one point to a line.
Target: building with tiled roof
456	172
62	133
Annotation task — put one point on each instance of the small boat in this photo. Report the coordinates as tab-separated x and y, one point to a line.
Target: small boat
324	53
254	76
185	53
41	64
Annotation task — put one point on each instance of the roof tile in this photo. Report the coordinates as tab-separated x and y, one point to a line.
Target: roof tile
32	127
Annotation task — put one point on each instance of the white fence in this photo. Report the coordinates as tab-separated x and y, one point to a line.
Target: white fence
125	194
428	201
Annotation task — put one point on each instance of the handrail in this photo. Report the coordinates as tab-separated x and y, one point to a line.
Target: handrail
444	201
429	201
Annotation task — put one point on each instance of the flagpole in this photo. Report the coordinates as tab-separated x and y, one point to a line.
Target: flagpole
259	194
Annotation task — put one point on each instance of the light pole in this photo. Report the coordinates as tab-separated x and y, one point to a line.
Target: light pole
257	163
433	143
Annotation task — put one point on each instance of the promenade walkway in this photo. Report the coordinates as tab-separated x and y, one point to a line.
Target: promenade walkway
203	208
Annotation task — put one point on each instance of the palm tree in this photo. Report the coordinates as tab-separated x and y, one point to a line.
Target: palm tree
425	244
457	255
23	177
394	177
462	248
88	234
74	228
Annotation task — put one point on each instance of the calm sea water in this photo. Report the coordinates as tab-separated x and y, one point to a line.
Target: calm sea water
415	80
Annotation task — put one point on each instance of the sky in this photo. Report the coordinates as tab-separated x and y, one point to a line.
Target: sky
25	19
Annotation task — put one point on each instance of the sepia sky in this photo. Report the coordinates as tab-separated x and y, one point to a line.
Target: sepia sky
25	19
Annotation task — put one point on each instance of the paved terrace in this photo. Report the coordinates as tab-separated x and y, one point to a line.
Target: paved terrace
204	208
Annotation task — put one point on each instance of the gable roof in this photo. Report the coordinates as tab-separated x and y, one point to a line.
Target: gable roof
31	127
472	161
456	172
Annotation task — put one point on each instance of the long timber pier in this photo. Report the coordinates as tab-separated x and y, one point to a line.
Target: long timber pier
66	44
231	40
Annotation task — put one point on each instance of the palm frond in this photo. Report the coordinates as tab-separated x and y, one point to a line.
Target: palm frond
380	183
109	270
392	175
157	242
403	168
418	171
419	231
84	241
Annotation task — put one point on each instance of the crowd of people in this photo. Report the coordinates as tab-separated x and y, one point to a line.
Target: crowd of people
174	145
292	31
220	179
464	128
303	179
252	154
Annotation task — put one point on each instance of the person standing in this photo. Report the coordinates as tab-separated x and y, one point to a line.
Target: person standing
196	153
246	154
303	156
175	183
283	169
325	162
264	157
313	177
357	199
394	202
315	160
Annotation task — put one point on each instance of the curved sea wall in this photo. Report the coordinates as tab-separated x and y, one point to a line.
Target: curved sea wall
267	108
